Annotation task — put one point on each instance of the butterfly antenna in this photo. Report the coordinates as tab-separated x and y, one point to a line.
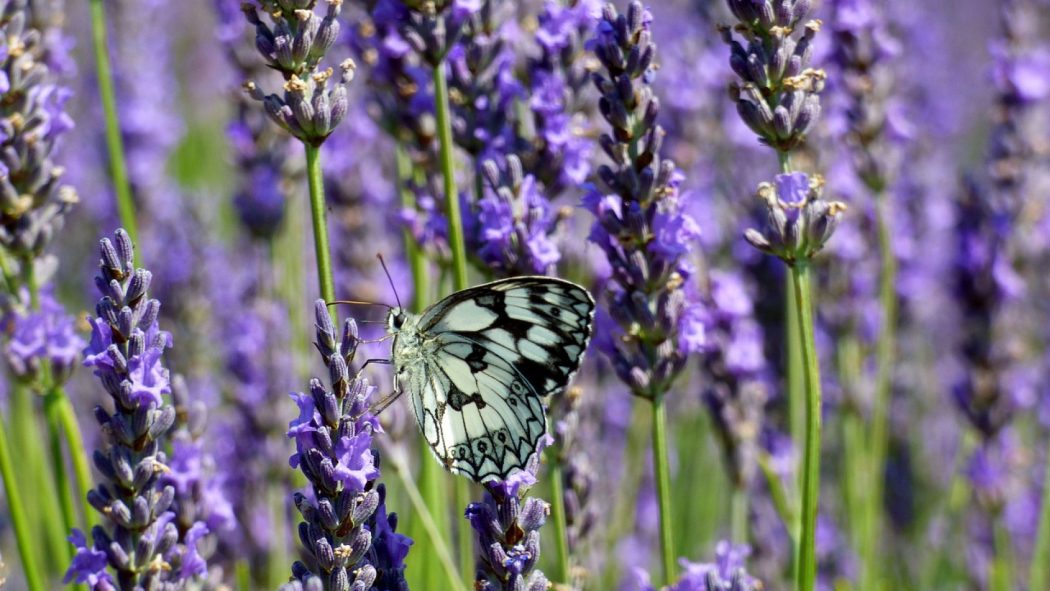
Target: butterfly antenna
390	279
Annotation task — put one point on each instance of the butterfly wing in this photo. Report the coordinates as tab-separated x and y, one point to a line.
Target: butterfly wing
492	353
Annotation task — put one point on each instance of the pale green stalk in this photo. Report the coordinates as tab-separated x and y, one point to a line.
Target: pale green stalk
17	514
738	510
1039	576
563	571
433	493
662	473
114	143
319	220
457	246
1001	577
455	580
806	572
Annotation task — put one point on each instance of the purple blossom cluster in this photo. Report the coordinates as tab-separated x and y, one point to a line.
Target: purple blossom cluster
333	449
507	524
141	545
640	226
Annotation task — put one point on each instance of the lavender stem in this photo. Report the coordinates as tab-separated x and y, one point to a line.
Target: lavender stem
18	514
806	571
433	500
663	487
885	356
562	573
114	142
1040	569
448	173
319	219
455	579
459	258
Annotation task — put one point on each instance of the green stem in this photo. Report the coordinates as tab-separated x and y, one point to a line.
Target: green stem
1040	569
319	219
77	453
778	494
459	261
738	514
1001	578
114	143
886	349
795	370
437	542
18	515
448	172
806	573
61	423
662	472
561	537
464	537
430	481
58	463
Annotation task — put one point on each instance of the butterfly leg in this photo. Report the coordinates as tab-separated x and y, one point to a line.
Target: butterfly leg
384	403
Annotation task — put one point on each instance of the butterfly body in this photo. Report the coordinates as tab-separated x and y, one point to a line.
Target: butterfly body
479	364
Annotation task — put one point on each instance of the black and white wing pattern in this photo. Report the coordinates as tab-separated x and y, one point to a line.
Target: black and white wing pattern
479	363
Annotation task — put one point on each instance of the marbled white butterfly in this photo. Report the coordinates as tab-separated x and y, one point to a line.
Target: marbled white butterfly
478	365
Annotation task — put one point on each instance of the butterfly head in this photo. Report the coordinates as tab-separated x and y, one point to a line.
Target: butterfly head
395	319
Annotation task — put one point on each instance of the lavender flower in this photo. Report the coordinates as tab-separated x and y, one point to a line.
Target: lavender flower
294	44
141	544
33	199
333	442
399	82
800	220
48	333
202	510
726	573
779	94
640	226
507	524
559	155
512	227
260	154
432	27
738	388
482	86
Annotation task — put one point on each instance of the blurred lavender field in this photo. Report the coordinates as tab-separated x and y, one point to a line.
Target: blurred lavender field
817	233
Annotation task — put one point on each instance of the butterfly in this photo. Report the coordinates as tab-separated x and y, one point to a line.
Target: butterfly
478	364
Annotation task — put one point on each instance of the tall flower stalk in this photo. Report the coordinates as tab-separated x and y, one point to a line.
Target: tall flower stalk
333	448
295	43
431	29
41	347
114	142
863	46
140	544
641	229
987	286
507	524
778	97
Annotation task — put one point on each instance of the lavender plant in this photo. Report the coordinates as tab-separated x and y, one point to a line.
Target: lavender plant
333	442
778	97
864	49
738	384
507	524
34	202
295	43
987	286
642	231
140	545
